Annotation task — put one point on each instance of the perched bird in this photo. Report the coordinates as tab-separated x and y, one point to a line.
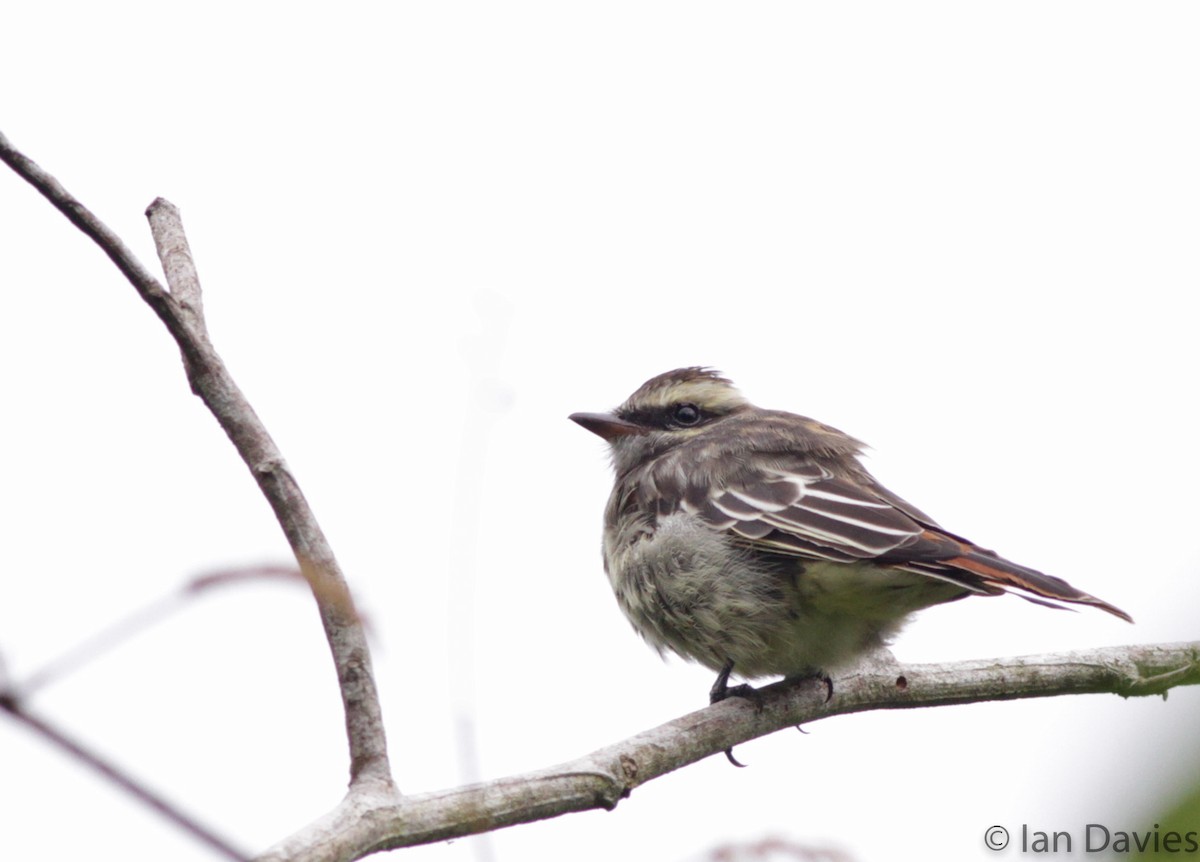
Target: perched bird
754	541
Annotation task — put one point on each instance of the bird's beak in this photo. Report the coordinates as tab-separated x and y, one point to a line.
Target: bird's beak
606	425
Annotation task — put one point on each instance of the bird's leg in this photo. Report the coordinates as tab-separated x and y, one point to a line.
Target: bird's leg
721	690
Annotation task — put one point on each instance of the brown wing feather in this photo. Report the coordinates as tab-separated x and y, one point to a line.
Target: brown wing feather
805	510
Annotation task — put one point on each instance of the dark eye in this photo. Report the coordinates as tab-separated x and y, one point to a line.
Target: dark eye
685	414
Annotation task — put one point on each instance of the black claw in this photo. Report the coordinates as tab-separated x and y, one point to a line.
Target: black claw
722	690
820	677
729	756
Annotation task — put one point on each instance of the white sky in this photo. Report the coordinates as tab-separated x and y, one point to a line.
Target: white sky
963	232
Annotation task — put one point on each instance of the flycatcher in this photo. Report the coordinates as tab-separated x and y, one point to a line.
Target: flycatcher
754	541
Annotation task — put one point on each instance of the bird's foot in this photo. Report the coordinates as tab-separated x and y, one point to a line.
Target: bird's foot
744	691
819	676
722	690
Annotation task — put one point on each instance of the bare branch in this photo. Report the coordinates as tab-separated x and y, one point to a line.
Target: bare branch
374	816
182	312
371	821
173	813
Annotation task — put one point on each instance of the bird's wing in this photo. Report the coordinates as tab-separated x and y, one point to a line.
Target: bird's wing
803	509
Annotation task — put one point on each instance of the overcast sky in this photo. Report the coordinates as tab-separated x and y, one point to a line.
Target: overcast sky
427	232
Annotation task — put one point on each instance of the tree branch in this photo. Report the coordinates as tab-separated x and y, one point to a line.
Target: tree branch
152	799
181	310
365	823
374	816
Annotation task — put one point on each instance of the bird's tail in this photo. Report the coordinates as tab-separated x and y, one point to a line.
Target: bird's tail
995	571
947	557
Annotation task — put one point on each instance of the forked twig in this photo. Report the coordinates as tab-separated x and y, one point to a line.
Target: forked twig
181	310
373	816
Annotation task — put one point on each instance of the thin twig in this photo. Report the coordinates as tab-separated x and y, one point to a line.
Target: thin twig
138	789
182	312
98	643
373	816
114	634
366	824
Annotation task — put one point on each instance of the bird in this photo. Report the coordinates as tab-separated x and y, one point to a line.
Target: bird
755	542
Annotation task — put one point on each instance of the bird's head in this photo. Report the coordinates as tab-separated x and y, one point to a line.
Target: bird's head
664	411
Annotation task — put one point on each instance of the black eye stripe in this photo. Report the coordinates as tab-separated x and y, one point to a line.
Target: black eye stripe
686	414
